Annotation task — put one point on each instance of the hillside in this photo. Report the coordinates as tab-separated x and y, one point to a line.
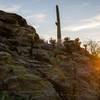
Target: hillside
35	70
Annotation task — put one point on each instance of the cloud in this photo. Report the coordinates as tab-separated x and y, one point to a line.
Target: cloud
81	27
40	17
13	8
90	23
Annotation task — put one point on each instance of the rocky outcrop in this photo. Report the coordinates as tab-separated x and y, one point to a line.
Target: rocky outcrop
31	70
17	80
15	33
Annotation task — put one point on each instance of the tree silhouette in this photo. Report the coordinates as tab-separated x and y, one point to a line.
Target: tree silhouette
93	47
52	42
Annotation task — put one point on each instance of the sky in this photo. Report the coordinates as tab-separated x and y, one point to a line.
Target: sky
79	18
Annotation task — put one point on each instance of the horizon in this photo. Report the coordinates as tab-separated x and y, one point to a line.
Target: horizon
78	18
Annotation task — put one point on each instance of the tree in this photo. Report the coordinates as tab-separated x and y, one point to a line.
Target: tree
93	47
77	43
66	39
52	42
68	44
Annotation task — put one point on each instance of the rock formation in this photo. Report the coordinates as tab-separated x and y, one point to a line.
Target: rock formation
33	72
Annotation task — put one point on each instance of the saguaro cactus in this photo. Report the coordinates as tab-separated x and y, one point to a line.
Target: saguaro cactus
58	26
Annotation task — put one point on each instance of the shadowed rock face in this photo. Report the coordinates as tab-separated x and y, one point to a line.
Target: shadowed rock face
18	82
12	18
14	25
15	32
